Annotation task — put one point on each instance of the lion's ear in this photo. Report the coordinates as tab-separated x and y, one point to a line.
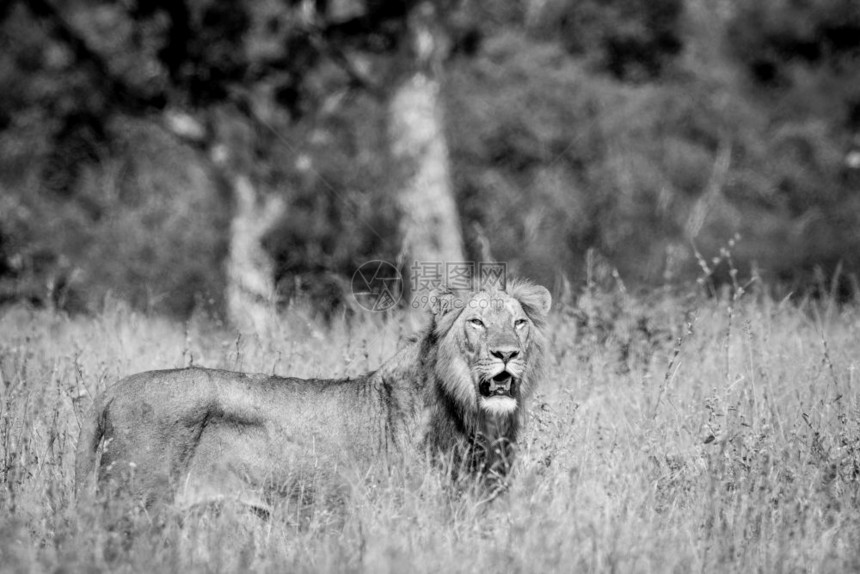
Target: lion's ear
535	299
441	301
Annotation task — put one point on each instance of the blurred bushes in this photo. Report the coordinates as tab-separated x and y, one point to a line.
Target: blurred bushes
634	40
643	131
555	155
774	38
802	62
340	212
145	223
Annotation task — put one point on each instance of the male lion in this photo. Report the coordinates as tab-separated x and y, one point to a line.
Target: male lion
457	393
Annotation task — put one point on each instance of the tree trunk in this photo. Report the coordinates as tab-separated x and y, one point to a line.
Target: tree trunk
250	272
430	224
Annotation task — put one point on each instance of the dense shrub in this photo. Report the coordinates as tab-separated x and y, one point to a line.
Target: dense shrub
554	158
773	37
802	62
340	213
147	224
643	131
634	40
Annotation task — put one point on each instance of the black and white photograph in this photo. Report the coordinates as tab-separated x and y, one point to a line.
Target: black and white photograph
396	286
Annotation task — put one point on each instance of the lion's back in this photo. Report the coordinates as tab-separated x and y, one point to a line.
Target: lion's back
171	423
195	387
186	397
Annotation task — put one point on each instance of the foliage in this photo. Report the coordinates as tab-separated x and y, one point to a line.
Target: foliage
81	73
647	132
634	40
776	37
554	158
802	59
340	213
127	233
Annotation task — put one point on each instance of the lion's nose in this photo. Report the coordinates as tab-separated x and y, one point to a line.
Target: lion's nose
505	354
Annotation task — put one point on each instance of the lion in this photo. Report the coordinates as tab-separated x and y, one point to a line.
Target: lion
456	393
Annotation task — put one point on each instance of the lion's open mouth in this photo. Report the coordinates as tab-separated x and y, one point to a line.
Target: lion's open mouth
502	385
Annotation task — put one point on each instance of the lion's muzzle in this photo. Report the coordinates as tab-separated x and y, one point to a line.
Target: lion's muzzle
501	385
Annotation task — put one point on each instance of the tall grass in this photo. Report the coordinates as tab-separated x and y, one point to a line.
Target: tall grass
672	434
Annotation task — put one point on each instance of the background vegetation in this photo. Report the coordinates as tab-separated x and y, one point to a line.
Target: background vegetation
642	130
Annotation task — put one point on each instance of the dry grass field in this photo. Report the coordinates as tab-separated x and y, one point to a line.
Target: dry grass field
671	435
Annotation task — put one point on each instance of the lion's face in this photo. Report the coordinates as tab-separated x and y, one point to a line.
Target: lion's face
490	351
496	334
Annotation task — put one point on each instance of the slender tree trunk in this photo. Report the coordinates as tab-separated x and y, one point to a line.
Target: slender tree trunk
249	268
430	223
250	272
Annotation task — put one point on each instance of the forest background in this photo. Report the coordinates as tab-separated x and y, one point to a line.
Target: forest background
140	139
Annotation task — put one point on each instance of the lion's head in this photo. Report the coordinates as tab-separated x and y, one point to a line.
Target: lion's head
490	345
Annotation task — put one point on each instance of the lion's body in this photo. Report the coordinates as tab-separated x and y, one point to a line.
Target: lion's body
195	435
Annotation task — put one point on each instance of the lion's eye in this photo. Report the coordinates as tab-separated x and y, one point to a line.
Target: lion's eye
476	323
520	323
